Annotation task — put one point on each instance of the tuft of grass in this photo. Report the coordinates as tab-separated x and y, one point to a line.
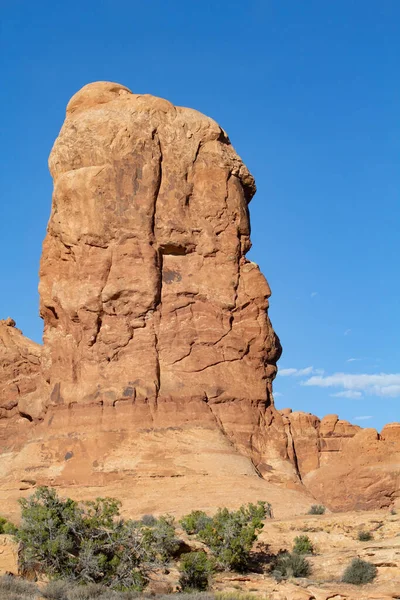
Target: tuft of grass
317	509
364	536
359	572
291	565
303	545
57	590
15	588
91	591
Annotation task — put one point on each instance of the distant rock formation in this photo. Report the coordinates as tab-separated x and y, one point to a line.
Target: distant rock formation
158	358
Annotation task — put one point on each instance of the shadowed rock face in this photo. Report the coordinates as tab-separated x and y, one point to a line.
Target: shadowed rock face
143	275
154	382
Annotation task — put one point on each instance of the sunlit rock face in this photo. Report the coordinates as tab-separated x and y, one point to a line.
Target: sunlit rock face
145	289
154	381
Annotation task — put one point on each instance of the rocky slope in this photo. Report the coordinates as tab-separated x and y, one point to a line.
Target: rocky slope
154	381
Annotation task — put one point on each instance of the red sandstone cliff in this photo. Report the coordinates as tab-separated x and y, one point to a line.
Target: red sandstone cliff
155	376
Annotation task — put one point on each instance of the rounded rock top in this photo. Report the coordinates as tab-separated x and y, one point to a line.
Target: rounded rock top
99	92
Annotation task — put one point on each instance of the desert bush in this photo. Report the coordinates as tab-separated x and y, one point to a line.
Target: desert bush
149	520
193	595
15	588
88	542
393	511
56	590
91	591
230	534
7	527
291	565
364	536
359	572
196	569
195	521
317	509
235	596
303	545
161	539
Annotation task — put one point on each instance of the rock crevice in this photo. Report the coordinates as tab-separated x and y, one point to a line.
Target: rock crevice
158	353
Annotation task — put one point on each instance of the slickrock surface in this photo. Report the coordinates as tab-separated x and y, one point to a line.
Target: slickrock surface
154	382
335	540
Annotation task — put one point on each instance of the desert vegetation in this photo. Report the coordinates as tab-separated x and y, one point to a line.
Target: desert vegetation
359	572
89	545
317	509
84	550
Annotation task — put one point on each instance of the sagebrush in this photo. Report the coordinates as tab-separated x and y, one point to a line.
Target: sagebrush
359	572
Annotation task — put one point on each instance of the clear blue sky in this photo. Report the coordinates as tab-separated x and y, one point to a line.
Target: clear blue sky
309	93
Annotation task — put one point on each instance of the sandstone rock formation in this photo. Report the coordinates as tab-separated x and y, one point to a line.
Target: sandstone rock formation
343	464
158	359
21	381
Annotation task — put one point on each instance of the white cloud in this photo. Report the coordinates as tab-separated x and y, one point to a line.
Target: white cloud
381	384
347	332
363	418
313	294
347	394
296	372
277	394
352	359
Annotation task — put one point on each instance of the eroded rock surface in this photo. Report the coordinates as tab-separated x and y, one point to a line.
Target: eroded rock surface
21	381
156	369
143	274
343	464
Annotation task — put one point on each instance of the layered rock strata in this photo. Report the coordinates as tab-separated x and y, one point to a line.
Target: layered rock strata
158	354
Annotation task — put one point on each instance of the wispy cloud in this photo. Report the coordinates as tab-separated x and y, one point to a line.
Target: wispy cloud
300	372
347	332
363	418
313	294
352	359
381	384
277	394
347	394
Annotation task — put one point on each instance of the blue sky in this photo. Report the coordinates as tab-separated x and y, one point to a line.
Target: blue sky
309	94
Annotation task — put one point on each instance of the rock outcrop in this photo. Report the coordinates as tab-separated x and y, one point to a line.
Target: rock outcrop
343	464
21	381
158	357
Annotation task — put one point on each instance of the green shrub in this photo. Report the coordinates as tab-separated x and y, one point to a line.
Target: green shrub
195	521
291	565
7	527
161	539
196	570
88	542
364	536
317	509
230	535
303	545
359	572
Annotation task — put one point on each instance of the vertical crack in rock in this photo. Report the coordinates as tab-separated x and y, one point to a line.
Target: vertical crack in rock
292	443
150	305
